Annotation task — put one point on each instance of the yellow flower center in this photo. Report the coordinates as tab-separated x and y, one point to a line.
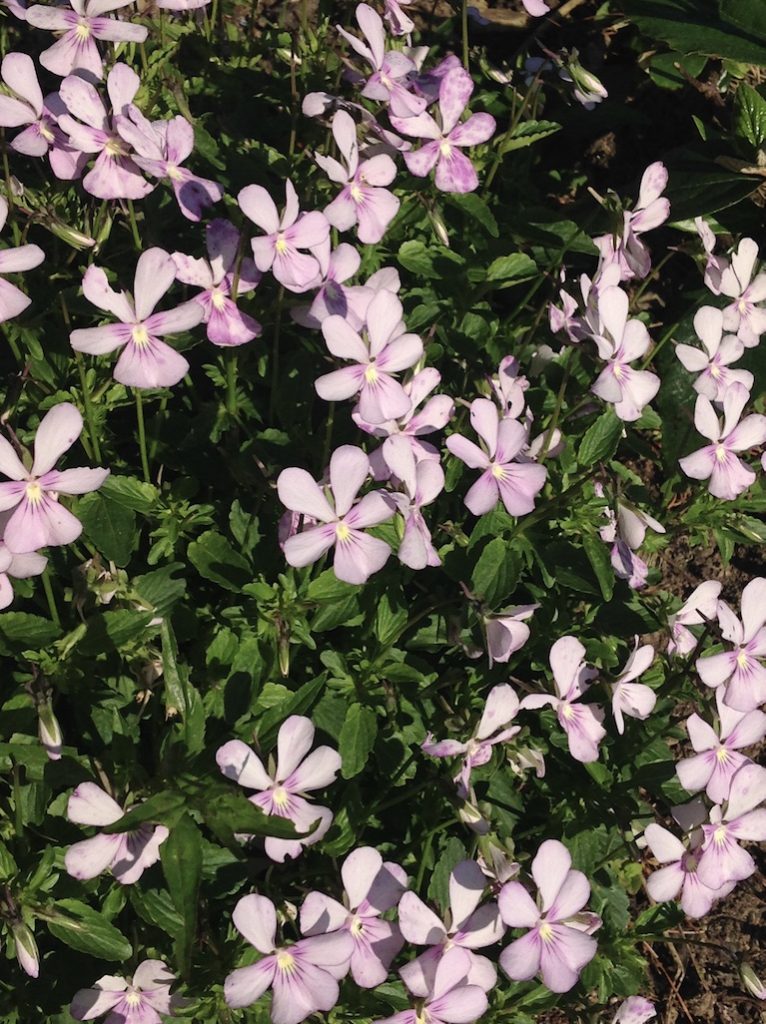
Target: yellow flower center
357	926
715	372
218	298
618	371
356	193
722	754
498	472
115	148
46	133
567	711
742	659
546	932
280	796
742	306
140	335
281	244
34	492
133	998
82	31
342	532
719	836
370	374
285	961
445	148
720	453
173	173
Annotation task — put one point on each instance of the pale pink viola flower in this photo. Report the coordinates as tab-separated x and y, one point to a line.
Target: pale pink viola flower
714	265
469	924
389	81
333	297
718	756
282	789
701	606
38	519
740	669
741	818
720	352
423	482
363	200
143	999
399	23
556	947
160	147
634	1010
372	886
679	873
717	462
507	632
629	698
18	567
342	524
26	107
301	975
627	250
23	257
504	479
226	324
494	727
279	250
415	424
146	361
743	316
447	137
90	129
625	531
386	350
509	388
624	341
572	677
76	50
451	997
127	854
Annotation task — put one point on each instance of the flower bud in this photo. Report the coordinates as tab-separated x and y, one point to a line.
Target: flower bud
26	949
440	228
752	982
49	731
77	239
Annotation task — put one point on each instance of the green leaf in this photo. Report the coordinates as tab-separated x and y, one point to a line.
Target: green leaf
299	704
357	738
114	630
666	69
438	888
511	269
528	133
695	26
496	572
391	616
31	631
130	493
155	906
109	526
162	808
161	589
750	115
415	257
226	811
598	556
87	931
475	207
600	439
214	558
181	856
176	697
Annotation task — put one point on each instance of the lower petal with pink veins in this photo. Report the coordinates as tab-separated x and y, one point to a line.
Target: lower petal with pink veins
696	898
519	485
564	952
376	209
484	494
723	859
376	943
730	477
39	522
746	689
583	728
115	177
300	989
73	52
358	556
150	363
243	986
521	960
381	397
228	326
454	171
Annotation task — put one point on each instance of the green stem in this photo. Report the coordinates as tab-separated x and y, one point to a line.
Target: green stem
275	355
230	356
464	31
14	347
134	225
50	597
554	422
158	423
87	404
663	341
142	434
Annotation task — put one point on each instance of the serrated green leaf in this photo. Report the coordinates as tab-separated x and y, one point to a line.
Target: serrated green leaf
130	493
23	629
214	558
598	556
496	572
510	269
87	931
357	738
750	115
528	133
601	439
109	526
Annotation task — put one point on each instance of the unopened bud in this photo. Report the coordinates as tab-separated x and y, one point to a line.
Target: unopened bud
26	949
752	982
471	816
284	655
49	731
440	228
588	88
77	239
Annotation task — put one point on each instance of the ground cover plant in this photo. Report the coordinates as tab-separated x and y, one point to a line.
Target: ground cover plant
382	462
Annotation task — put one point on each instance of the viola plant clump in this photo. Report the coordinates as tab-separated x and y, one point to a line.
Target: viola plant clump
382	511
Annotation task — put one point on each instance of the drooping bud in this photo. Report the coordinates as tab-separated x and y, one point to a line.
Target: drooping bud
26	949
49	731
589	89
752	982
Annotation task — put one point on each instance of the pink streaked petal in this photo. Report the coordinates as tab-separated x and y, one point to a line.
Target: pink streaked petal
150	365
239	762
242	987
521	959
400	354
359	556
455	173
97	341
140	851
519	486
382	398
477	129
35	526
307	547
301	992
